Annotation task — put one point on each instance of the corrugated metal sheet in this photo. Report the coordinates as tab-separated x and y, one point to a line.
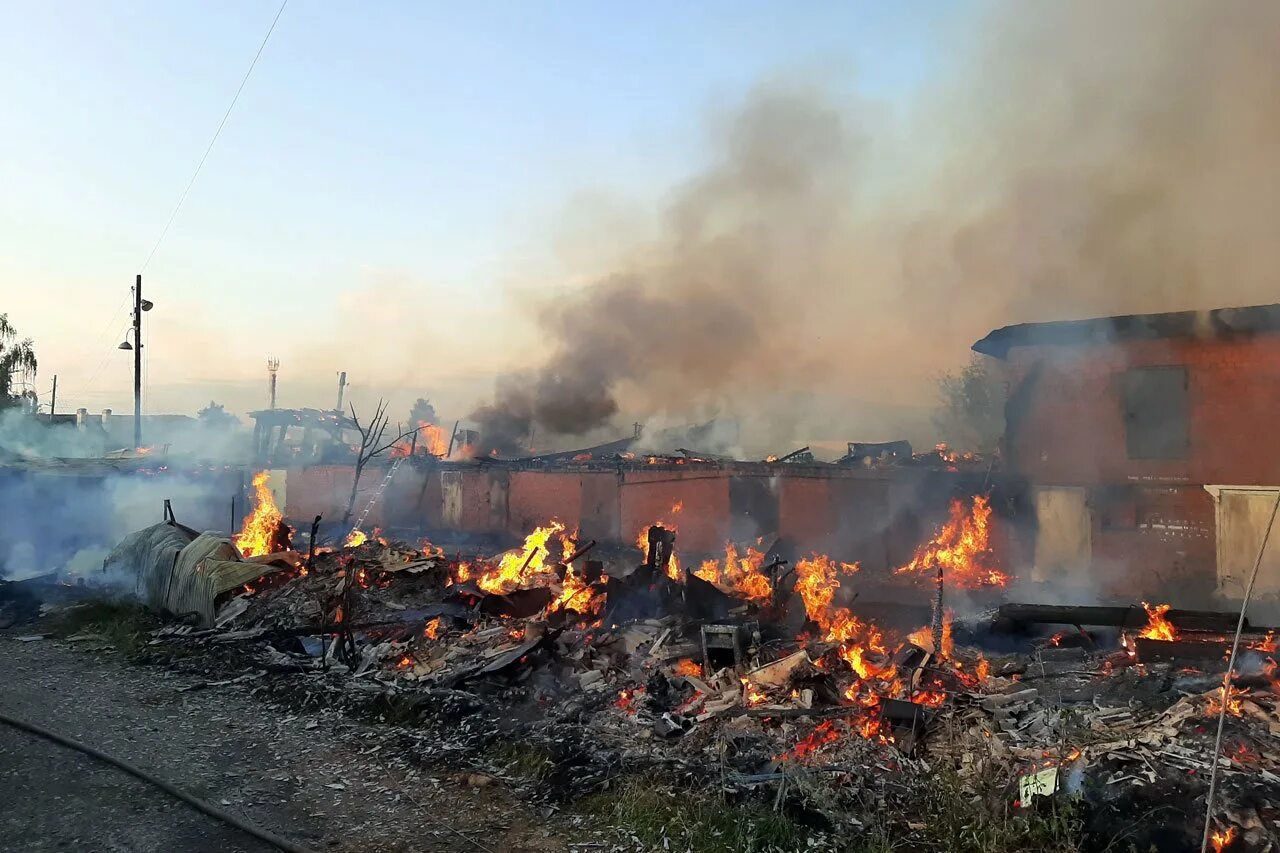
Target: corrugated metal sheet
180	572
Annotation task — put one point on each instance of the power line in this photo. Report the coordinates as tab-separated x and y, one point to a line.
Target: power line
216	134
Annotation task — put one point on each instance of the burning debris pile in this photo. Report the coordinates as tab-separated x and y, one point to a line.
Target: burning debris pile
752	673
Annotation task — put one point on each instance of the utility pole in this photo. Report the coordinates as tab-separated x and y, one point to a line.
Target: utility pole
53	400
273	364
137	363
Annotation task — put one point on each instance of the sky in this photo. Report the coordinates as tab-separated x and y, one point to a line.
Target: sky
391	187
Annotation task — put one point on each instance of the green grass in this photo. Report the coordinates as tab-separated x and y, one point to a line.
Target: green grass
693	821
951	815
524	760
121	623
947	815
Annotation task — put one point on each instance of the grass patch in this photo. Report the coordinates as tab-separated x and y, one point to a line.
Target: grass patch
683	820
121	623
526	761
954	816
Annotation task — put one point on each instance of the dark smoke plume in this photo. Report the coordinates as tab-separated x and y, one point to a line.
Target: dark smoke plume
1082	158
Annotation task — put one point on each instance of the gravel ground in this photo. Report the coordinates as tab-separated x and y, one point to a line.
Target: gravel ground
319	779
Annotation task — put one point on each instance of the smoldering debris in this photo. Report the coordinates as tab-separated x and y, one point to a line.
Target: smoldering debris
750	701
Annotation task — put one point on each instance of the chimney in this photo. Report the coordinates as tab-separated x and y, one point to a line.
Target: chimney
106	419
82	418
342	386
273	364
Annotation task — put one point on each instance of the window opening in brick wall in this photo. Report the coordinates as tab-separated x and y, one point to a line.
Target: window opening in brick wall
1156	412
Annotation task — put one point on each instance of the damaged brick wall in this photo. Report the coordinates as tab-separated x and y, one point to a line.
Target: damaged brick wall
1066	419
538	496
842	513
703	522
1153	525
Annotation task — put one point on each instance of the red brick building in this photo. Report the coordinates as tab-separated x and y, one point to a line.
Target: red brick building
1149	446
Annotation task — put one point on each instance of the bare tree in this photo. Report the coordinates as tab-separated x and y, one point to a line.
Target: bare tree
371	446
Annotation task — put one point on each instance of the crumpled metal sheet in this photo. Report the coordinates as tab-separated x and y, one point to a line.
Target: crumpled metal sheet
178	571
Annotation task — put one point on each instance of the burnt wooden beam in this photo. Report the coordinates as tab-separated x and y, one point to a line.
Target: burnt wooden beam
1132	616
1151	651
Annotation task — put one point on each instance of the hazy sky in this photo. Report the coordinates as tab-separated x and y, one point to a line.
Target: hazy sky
393	176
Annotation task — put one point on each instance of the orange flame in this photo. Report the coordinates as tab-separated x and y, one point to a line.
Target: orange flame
627	699
433	629
689	667
431	441
817	582
1234	703
751	695
355	539
258	531
518	569
743	575
1158	626
826	733
961	548
642	541
1266	644
1220	839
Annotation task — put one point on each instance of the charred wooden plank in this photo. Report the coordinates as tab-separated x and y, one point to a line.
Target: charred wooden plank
1151	651
1133	616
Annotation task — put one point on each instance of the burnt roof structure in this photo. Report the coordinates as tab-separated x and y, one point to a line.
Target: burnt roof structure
1216	323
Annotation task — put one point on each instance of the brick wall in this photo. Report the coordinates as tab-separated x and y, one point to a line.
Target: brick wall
1150	540
535	497
844	514
1153	523
648	496
1072	431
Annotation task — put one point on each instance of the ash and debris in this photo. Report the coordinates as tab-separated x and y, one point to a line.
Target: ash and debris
784	700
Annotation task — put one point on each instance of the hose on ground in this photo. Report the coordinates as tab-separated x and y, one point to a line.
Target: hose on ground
173	791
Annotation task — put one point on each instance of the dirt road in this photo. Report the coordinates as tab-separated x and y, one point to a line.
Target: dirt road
317	779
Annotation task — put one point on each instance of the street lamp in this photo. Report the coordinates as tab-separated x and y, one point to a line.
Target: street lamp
139	306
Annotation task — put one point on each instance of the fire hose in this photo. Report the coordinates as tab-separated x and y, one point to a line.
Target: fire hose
172	790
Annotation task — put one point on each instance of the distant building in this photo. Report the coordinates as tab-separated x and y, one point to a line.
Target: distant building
298	437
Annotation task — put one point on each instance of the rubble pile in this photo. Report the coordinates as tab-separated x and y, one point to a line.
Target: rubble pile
747	674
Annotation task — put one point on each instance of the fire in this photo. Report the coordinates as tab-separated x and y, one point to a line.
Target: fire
817	582
1234	704
577	594
1158	626
430	441
433	629
961	549
627	699
1266	644
518	569
689	667
355	539
259	531
923	637
742	575
1221	839
642	540
826	733
929	698
751	695
534	564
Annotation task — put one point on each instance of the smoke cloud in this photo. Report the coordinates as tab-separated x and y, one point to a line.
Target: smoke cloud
1077	159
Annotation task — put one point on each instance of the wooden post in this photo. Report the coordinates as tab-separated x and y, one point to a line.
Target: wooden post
53	400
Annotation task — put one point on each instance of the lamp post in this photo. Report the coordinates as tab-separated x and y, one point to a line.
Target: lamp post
139	305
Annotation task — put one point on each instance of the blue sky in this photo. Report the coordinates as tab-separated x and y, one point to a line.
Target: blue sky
428	148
